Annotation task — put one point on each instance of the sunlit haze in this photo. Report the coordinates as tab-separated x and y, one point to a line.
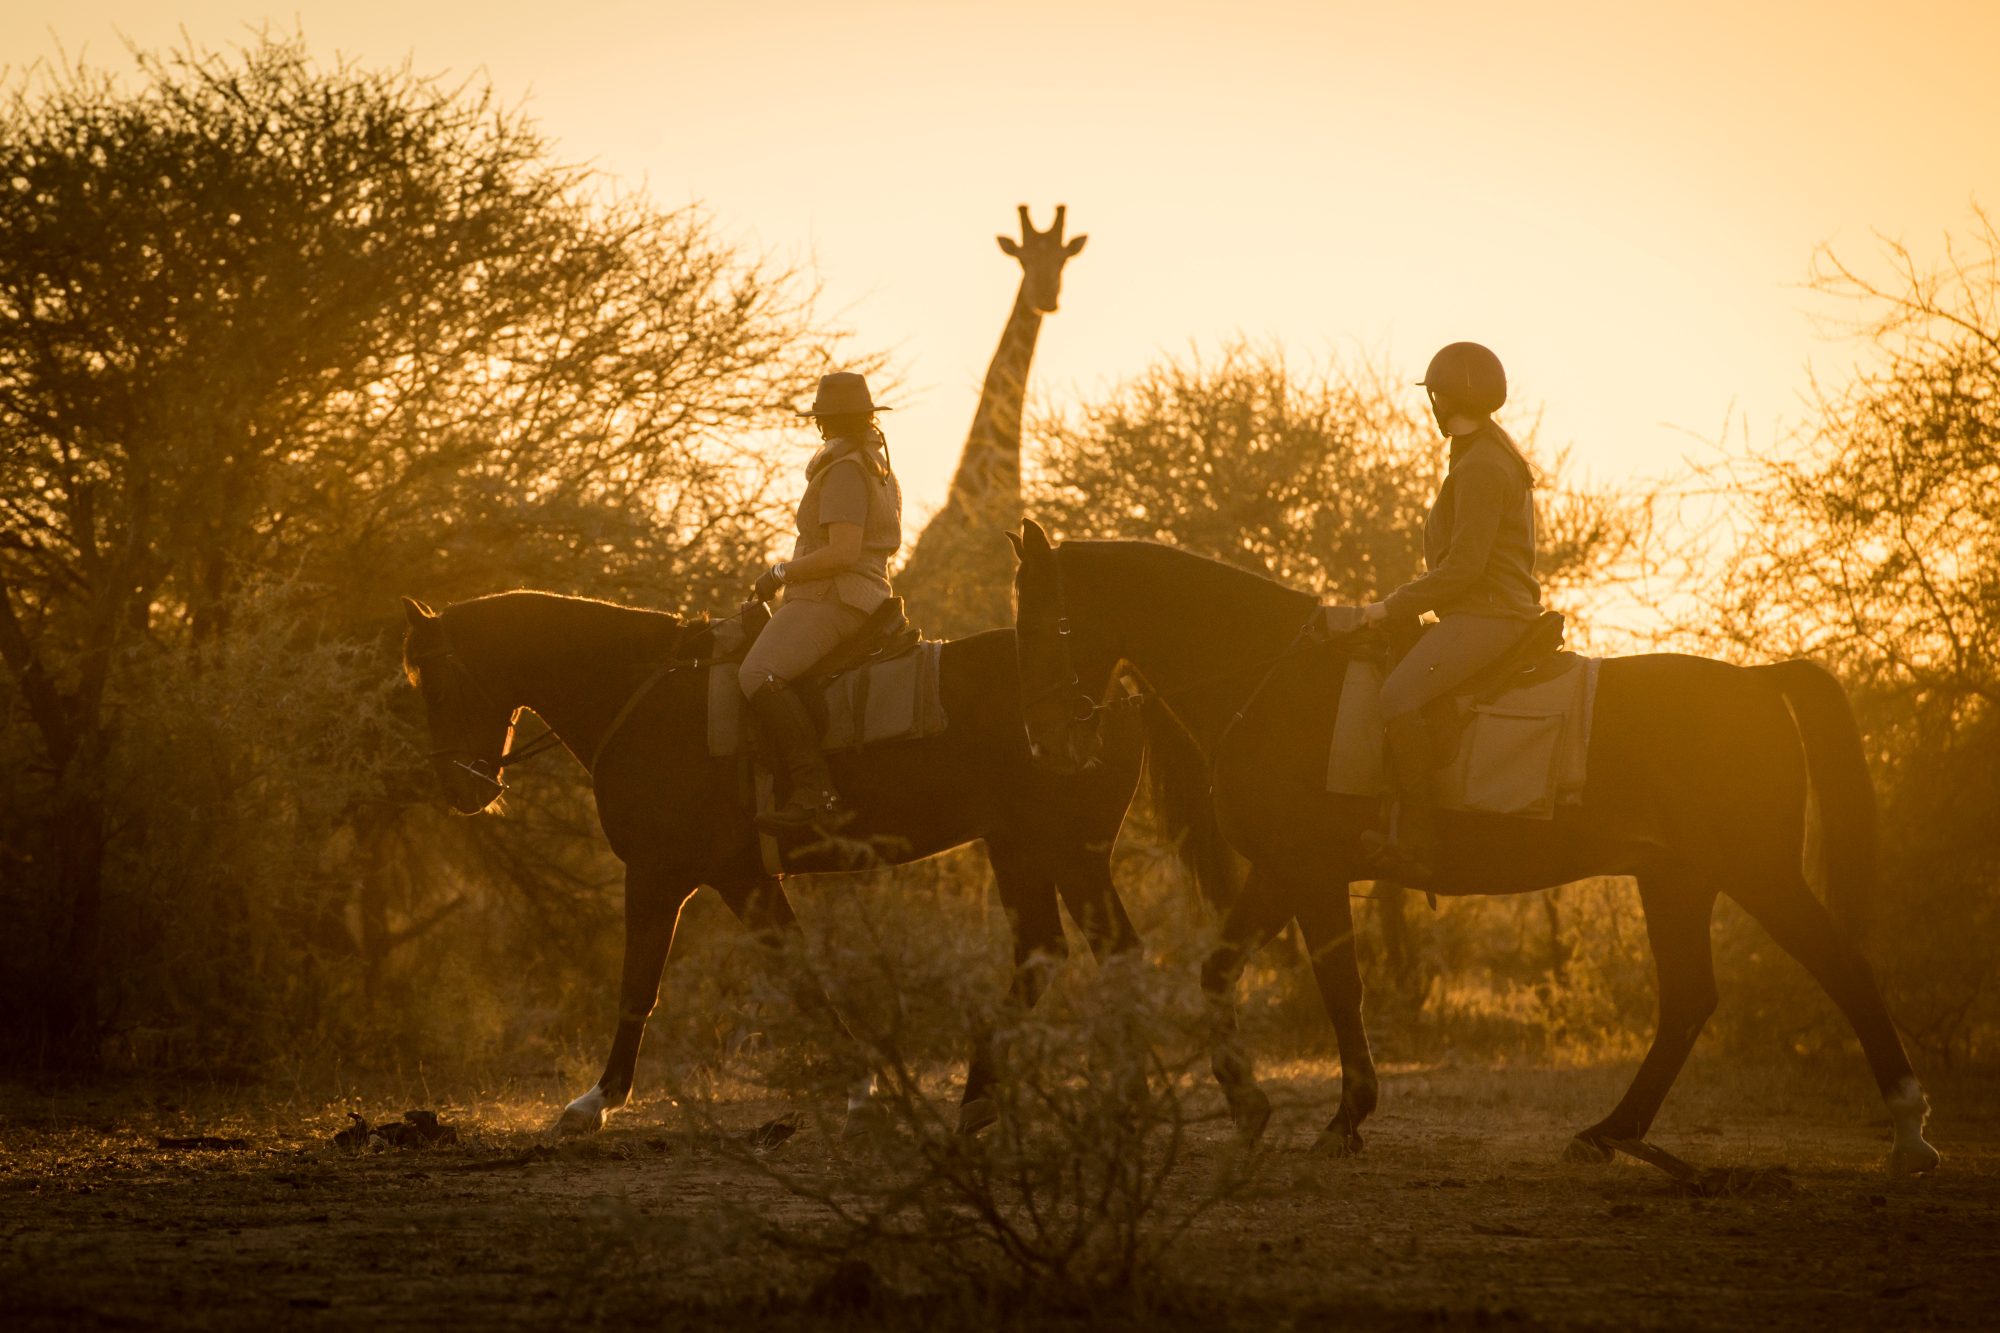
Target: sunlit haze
1624	203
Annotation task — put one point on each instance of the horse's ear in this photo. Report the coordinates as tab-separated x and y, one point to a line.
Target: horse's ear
1034	538
1014	540
417	613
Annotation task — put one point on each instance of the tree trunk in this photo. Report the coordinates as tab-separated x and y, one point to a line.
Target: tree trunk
71	1021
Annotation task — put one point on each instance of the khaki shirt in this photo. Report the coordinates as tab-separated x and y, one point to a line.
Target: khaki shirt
849	481
1479	539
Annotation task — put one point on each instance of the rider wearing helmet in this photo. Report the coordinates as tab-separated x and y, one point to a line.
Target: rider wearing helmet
1479	557
850	522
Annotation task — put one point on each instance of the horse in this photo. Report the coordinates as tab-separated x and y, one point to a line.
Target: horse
1699	777
620	688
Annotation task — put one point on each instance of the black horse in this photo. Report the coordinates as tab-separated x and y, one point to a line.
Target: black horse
617	686
1698	785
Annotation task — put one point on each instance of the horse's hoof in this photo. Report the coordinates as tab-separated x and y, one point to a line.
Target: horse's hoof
1250	1109
1337	1140
977	1116
1915	1159
574	1122
1588	1152
1908	1109
585	1115
867	1122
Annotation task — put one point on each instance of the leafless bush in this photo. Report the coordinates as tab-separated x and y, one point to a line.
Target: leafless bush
1871	542
1092	1168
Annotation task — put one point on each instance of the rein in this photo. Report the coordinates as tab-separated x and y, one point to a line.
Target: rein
488	766
475	759
632	701
1084	708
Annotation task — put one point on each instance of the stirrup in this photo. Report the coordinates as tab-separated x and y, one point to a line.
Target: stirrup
830	816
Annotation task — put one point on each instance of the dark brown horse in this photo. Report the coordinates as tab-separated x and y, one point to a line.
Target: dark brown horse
1698	785
617	686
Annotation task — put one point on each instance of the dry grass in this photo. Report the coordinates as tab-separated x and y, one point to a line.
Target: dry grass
1459	1215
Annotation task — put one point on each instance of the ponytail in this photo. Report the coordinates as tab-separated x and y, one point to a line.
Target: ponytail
1527	469
861	428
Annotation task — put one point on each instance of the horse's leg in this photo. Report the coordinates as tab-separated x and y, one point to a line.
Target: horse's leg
1028	895
1326	920
652	906
1083	877
1261	910
761	905
1785	906
1677	909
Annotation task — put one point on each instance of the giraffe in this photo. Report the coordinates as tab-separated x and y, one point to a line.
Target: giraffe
960	574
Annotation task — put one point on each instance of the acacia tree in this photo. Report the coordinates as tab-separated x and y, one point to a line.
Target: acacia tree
1319	477
1872	542
352	330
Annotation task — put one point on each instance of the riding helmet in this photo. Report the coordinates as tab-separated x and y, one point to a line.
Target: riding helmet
1469	375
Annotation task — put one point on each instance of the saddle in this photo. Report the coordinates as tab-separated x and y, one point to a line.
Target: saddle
1537	658
1511	740
880	684
886	633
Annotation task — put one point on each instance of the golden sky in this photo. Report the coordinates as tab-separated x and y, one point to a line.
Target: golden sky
1621	200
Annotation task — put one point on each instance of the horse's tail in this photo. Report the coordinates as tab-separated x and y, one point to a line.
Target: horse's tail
1185	804
1840	782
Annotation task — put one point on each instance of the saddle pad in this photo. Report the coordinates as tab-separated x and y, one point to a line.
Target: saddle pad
895	699
1522	753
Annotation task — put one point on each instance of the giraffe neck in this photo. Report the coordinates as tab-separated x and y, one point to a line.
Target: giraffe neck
988	479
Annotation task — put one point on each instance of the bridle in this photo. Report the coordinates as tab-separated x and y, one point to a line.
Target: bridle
484	765
1084	708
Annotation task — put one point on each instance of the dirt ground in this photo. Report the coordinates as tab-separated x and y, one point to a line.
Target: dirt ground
1460	1213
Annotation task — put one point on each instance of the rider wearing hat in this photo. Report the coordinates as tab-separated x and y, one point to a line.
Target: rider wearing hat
850	522
1479	557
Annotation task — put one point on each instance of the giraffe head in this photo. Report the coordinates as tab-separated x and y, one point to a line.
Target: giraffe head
1042	255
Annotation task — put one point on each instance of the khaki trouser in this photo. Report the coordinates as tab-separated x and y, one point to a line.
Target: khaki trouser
1458	648
800	633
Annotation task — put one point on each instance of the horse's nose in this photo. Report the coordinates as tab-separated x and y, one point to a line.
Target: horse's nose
1034	749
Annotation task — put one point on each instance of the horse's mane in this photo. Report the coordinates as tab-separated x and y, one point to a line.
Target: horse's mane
572	600
590	623
1231	583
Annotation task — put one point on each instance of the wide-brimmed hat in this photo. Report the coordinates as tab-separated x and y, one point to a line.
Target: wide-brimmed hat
843	393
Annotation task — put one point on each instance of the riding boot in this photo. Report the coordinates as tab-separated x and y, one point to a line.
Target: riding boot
788	730
1412	854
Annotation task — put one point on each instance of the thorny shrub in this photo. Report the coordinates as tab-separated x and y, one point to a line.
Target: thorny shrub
1080	1185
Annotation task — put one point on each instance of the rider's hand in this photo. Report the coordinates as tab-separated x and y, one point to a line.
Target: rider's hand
1374	613
768	583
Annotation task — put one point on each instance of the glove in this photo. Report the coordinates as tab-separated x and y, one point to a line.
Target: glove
768	583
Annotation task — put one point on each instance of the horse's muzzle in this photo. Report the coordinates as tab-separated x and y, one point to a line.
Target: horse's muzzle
1078	751
468	788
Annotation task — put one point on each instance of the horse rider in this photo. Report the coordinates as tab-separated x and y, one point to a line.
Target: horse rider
850	522
1479	557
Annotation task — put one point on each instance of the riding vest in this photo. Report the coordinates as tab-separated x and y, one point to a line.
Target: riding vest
1479	538
849	481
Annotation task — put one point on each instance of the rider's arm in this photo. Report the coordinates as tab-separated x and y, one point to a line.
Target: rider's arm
1481	494
842	551
843	508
